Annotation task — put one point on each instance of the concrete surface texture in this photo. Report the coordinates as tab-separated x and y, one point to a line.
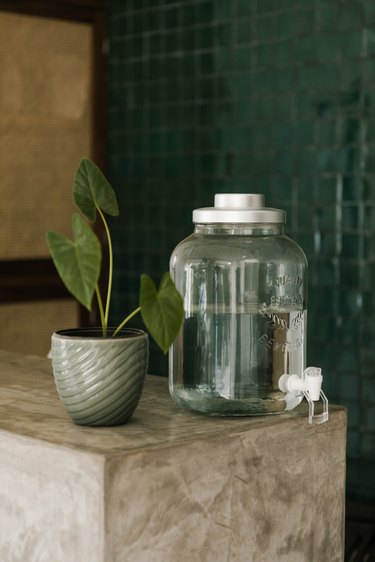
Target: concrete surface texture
168	486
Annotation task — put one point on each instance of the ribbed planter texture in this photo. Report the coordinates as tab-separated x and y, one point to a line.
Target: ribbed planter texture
99	380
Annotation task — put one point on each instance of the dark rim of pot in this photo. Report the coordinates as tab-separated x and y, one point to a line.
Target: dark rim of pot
96	333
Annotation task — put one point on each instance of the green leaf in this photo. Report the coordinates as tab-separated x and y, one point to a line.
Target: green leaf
77	262
162	310
93	191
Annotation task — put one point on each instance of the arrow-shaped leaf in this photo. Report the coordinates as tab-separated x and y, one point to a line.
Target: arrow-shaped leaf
162	310
92	190
77	261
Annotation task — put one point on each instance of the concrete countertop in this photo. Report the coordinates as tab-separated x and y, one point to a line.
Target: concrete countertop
30	406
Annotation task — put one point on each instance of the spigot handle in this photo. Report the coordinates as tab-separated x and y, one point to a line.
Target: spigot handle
317	418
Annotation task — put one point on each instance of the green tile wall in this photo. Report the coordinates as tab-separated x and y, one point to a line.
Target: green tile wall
271	96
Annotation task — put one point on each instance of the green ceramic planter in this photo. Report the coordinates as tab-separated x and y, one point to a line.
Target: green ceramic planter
99	380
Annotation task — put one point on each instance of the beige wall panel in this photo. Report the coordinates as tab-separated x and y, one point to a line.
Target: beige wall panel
45	127
27	327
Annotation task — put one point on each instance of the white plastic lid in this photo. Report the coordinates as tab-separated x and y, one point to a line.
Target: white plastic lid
238	208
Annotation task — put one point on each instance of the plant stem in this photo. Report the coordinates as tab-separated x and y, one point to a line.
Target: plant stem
110	268
101	311
126	320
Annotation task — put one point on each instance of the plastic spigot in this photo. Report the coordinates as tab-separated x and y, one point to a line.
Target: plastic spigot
308	386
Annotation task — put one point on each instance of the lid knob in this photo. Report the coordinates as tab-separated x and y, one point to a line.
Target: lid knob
239	200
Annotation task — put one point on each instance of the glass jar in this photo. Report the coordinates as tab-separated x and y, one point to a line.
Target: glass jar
244	286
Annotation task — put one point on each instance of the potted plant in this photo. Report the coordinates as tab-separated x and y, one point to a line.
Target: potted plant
99	372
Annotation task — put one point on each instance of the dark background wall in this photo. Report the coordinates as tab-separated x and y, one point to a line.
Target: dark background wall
270	96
